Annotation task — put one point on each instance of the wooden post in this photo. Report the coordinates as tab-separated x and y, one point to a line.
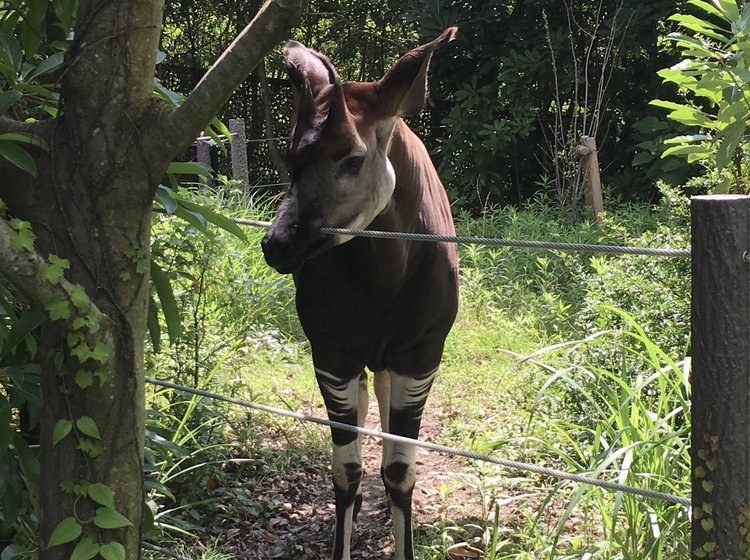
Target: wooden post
239	152
203	155
592	181
720	379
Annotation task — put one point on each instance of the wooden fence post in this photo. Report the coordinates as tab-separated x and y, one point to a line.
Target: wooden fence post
720	378
239	152
203	155
592	181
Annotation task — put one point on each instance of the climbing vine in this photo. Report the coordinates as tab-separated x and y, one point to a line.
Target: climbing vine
88	343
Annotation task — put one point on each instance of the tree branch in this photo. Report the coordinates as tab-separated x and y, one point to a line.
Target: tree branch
39	128
271	25
23	269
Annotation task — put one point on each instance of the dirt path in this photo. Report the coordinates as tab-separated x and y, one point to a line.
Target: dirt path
302	527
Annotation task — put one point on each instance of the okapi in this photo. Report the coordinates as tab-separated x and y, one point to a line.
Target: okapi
384	305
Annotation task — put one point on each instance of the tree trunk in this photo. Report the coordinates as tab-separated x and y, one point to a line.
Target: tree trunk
90	204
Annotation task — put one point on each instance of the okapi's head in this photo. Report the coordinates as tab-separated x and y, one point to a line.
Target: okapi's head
338	153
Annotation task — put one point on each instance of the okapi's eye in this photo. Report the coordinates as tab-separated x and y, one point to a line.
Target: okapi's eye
353	164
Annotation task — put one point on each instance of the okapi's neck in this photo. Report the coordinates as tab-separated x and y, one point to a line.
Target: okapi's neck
408	210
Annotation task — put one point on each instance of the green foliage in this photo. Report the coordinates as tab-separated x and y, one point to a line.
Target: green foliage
711	79
630	419
510	97
32	49
19	420
222	294
655	291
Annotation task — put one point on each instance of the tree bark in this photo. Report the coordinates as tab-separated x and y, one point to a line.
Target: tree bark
90	204
720	378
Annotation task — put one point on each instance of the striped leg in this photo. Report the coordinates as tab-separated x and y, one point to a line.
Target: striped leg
343	399
407	399
382	382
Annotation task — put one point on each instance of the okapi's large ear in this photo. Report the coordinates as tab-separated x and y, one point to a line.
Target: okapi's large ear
403	88
308	68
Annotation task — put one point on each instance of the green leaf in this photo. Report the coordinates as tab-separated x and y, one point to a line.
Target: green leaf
61	430
58	310
79	297
84	378
112	551
217	219
53	270
86	549
20	328
87	426
25	138
100	352
18	156
700	26
66	531
643	158
706	6
193	218
154	329
90	447
188	168
164	195
684	150
49	64
23	237
6	430
688	138
102	494
169	306
8	99
728	8
109	518
732	137
11	52
14	551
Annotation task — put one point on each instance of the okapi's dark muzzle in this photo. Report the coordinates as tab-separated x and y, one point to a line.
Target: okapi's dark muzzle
287	245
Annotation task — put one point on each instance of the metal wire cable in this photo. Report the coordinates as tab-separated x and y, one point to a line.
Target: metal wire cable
506	463
493	242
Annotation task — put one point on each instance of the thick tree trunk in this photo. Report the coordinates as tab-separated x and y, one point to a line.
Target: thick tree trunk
91	205
720	377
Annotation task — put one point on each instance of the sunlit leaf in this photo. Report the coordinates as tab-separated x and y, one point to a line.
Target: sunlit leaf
101	494
66	531
109	518
87	426
18	156
61	430
112	551
169	306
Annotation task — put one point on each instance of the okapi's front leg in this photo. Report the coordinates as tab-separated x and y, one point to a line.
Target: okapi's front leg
408	396
346	401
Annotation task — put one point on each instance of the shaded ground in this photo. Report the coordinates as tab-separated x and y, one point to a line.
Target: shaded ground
301	528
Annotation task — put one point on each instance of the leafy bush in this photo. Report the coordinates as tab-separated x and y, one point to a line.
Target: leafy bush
560	291
654	290
226	299
712	78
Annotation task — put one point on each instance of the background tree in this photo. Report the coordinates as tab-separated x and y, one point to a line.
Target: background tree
78	184
524	67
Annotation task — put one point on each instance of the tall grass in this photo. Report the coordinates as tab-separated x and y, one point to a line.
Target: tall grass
629	423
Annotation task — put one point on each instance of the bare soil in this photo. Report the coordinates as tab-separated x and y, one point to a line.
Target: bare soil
301	528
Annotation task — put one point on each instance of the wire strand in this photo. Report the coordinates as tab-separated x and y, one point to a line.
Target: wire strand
493	242
506	463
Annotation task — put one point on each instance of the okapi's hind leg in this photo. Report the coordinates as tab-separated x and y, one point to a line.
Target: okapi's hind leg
346	402
382	384
408	396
